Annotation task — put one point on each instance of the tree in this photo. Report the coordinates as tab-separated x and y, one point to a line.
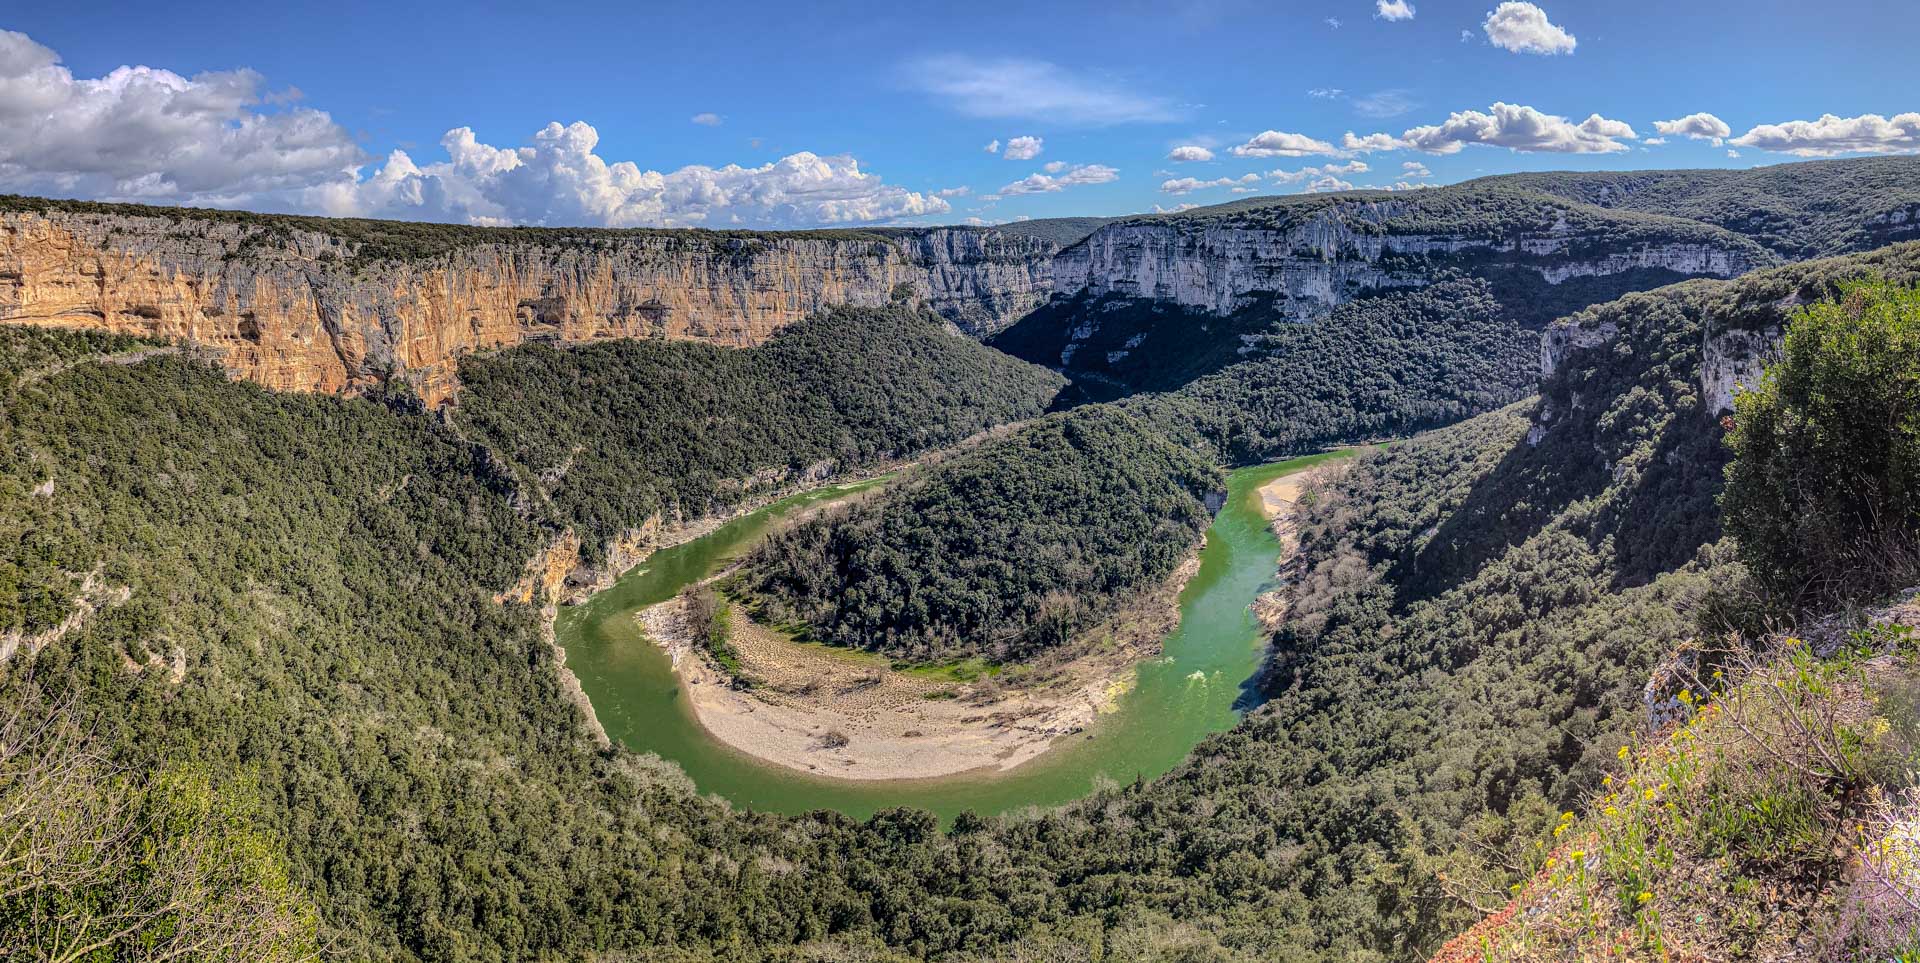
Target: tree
1824	488
98	865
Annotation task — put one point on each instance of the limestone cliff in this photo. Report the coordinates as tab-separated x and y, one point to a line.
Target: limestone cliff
303	308
1320	258
1732	361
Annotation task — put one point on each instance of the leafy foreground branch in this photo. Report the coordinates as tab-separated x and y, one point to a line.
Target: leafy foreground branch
97	864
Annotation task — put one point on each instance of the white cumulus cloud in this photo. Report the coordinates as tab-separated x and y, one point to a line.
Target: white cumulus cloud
707	119
560	180
1701	126
1865	134
1187	185
1022	148
1274	143
1077	174
1393	9
1414	169
1524	28
993	146
1371	142
1322	185
1512	126
147	134
1189	153
1325	172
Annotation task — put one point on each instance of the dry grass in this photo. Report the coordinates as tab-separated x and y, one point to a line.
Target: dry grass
1773	819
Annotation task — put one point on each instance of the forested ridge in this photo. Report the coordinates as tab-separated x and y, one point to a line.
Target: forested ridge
1007	549
1012	549
1804	210
605	435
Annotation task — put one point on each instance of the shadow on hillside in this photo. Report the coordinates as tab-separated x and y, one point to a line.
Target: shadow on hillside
1517	499
1659	523
1112	346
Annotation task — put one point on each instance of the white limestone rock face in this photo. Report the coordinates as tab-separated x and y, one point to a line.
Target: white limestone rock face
1329	257
1732	361
1564	337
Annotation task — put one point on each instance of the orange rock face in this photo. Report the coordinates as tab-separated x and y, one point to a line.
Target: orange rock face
300	310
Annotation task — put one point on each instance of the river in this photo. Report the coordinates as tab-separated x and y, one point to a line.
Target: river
1197	686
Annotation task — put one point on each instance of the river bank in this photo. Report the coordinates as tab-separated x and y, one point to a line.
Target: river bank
852	715
1200	682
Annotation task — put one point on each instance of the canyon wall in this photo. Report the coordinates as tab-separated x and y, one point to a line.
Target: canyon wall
302	310
1733	360
1323	259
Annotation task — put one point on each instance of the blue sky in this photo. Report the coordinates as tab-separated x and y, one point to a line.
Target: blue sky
834	114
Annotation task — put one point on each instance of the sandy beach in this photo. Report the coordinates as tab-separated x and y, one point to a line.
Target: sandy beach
1278	498
850	715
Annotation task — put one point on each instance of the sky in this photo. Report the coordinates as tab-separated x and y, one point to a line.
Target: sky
797	115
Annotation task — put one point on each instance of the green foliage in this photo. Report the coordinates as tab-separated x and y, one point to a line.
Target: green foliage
710	614
98	864
611	433
1811	209
1490	208
1379	366
383	240
301	588
1064	231
1005	550
1824	489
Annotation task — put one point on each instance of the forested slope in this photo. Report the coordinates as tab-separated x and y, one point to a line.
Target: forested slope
295	593
1466	652
605	435
1004	550
1011	549
1804	210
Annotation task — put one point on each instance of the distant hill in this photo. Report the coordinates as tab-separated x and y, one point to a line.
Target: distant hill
1064	231
1161	299
1811	209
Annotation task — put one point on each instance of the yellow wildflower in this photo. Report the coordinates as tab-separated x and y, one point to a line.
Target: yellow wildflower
1645	896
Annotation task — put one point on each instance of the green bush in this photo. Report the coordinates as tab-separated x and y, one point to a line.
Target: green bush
1824	488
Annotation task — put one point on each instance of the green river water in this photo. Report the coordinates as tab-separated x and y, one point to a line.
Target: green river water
1194	688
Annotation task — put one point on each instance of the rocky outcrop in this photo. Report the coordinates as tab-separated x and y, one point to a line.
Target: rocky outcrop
1563	338
1321	260
1732	361
546	573
299	309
